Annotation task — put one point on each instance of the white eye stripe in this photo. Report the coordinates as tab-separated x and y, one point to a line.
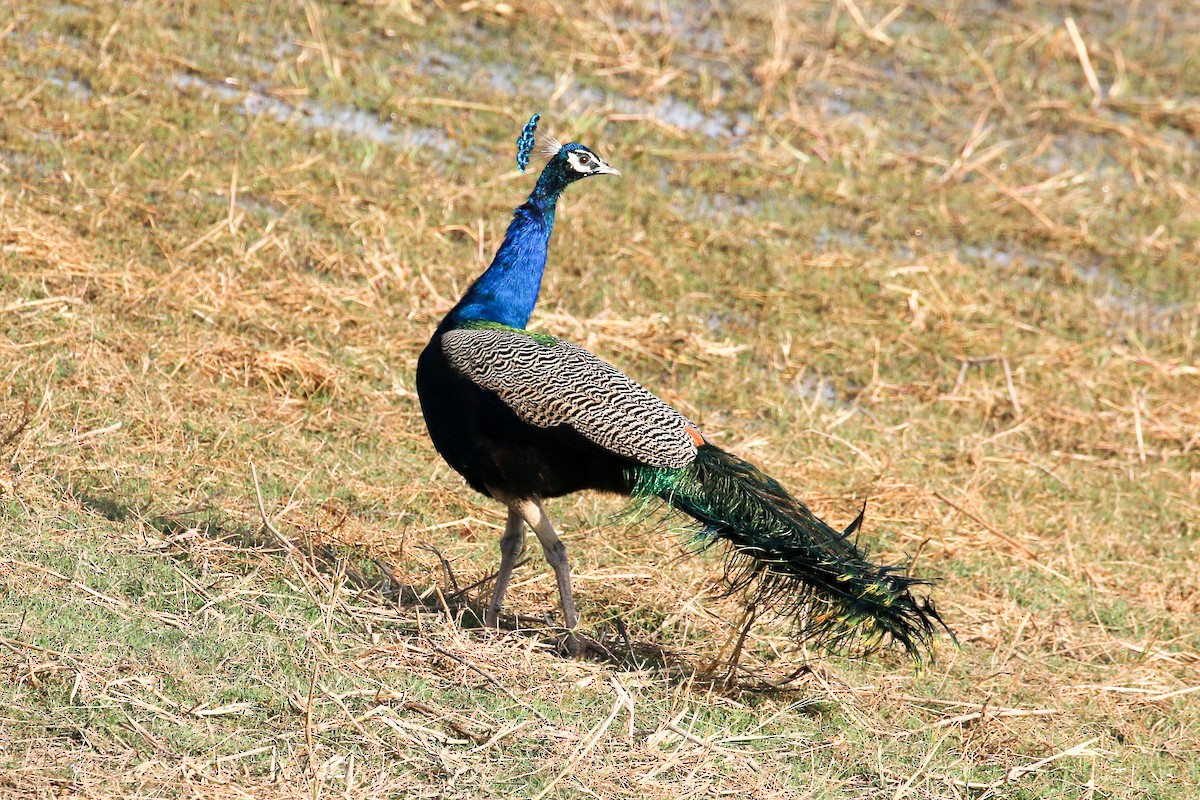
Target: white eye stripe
582	162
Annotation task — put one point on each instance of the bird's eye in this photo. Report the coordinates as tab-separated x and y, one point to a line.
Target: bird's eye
585	160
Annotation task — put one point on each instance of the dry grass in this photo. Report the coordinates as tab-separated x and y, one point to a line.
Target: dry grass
941	259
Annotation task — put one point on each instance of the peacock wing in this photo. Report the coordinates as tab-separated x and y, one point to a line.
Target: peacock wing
548	382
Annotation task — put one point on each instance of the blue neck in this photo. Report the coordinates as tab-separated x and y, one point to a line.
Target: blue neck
508	290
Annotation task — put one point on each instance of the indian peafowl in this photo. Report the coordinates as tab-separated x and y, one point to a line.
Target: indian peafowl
525	416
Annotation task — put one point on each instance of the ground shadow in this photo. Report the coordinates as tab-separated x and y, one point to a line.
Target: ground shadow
609	641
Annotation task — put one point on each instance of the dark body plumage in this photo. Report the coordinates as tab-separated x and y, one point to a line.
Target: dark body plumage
499	454
524	416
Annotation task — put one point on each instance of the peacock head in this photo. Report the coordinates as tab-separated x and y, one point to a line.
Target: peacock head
569	163
566	163
576	161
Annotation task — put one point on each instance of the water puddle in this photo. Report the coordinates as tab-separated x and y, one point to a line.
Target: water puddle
1104	286
713	125
578	97
815	389
1111	292
81	90
347	120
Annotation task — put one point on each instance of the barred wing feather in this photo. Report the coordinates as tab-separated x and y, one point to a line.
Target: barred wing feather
548	382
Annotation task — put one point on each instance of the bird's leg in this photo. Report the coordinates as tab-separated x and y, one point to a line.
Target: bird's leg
556	557
736	656
511	545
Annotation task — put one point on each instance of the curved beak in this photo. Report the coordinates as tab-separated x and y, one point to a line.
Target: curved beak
605	169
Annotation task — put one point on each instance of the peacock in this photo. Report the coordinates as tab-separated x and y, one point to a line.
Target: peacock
524	416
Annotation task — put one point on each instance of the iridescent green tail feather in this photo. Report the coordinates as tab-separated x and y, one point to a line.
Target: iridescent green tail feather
783	557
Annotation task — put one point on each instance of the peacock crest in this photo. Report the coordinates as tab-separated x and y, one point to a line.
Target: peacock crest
526	141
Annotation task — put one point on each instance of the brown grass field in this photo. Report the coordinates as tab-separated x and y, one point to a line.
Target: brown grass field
942	258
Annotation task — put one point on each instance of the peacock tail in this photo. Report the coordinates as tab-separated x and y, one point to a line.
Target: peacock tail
784	558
